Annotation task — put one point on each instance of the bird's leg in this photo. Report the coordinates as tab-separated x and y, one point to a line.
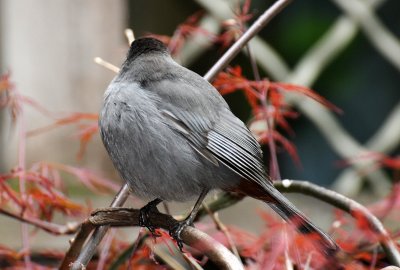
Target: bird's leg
144	215
175	231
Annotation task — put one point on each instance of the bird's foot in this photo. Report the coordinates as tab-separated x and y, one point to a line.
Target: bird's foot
176	230
144	216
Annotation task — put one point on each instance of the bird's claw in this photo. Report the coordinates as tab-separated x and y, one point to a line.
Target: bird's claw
176	230
144	218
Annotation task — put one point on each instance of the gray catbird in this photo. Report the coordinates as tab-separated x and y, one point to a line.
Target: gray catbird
172	137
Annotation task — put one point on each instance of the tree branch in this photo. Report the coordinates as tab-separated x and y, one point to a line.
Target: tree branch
245	38
118	216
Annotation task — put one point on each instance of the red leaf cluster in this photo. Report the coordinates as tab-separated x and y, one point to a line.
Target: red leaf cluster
233	28
12	100
87	124
278	244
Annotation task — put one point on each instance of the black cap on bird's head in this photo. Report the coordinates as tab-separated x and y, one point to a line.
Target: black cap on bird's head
144	46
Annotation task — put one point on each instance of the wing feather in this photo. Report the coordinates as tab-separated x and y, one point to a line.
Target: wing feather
236	158
226	140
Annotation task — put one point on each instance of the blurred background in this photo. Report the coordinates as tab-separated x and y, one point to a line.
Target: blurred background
347	53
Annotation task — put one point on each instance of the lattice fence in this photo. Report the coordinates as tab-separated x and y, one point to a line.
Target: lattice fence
358	15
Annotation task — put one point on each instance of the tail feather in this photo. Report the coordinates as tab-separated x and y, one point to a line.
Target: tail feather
303	225
265	191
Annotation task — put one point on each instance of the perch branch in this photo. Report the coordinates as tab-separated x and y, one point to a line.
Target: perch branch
117	217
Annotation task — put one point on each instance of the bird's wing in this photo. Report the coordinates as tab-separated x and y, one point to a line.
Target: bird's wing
232	143
206	121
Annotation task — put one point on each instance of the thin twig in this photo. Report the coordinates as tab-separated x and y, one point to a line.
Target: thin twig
275	171
221	226
245	38
49	227
253	63
138	242
100	61
22	185
171	262
130	36
274	165
76	245
105	249
223	201
192	262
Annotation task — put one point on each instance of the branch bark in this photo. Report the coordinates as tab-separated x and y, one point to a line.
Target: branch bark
118	216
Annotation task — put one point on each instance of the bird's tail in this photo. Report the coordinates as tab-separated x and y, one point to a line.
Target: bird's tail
303	225
266	192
